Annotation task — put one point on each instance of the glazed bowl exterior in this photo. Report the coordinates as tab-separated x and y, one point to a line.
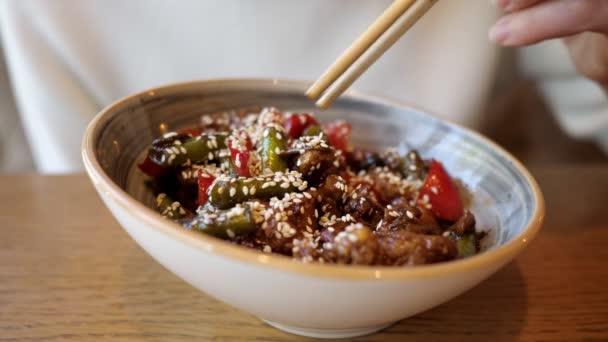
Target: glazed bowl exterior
310	299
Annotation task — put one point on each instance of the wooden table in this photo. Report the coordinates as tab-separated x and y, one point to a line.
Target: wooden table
69	272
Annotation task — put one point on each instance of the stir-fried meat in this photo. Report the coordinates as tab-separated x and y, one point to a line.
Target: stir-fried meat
466	224
356	244
406	248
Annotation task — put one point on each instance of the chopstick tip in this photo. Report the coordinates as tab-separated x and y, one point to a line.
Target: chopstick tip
311	94
323	104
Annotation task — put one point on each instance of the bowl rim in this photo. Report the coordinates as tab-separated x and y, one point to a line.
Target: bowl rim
217	247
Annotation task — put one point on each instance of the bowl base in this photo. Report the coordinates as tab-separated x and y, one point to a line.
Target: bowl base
326	333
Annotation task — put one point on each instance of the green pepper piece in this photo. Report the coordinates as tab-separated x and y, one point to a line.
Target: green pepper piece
224	224
169	208
315	130
466	245
274	142
204	147
226	192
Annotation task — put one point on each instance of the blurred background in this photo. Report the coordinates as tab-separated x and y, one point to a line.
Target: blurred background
11	131
522	99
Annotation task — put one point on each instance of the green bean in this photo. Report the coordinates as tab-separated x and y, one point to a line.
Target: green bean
226	192
274	142
466	245
170	151
224	224
169	208
227	165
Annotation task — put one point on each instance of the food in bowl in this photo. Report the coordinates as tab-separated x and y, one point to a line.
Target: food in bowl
283	183
506	200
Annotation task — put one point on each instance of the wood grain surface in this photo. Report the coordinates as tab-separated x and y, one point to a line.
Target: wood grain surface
69	272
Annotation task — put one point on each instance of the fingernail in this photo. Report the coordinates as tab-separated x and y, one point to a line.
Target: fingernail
500	31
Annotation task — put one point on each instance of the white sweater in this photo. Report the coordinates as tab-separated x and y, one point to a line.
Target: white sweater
68	59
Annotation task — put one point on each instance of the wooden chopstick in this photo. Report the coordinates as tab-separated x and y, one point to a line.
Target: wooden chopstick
358	47
351	65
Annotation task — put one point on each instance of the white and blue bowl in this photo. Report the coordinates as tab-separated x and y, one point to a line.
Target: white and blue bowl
311	299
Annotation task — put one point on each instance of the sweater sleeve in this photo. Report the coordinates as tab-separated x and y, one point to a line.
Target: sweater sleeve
53	104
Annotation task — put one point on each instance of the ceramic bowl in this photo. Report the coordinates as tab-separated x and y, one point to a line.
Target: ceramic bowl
310	299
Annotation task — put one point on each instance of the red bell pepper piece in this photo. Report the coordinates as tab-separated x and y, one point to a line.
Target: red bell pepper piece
339	134
441	193
204	183
295	124
150	168
191	131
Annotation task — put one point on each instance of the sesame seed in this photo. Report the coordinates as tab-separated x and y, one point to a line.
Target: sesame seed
245	190
284	185
230	233
232	192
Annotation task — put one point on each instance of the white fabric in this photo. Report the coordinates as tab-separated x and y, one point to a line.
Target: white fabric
68	59
580	105
14	150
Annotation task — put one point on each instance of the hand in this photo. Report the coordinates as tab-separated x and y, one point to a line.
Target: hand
582	23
